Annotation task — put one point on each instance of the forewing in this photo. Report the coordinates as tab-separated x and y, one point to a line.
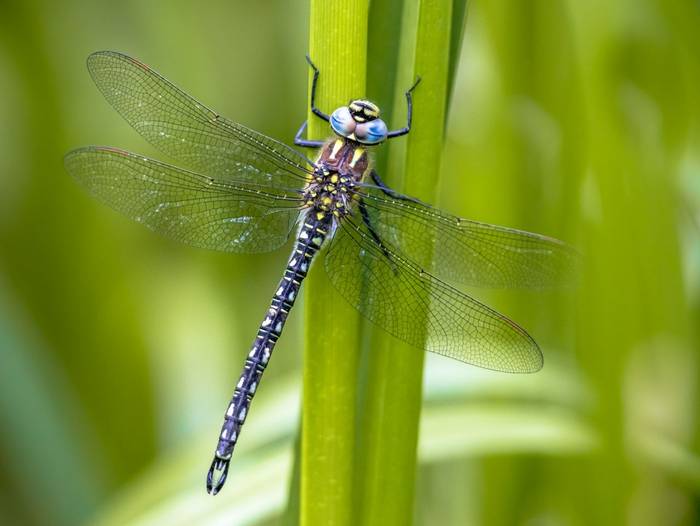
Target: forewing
191	208
416	307
469	252
186	130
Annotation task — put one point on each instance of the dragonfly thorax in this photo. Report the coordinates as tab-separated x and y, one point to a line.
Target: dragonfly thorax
329	192
341	165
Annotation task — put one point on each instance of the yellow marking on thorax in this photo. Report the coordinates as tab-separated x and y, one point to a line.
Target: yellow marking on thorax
356	156
336	148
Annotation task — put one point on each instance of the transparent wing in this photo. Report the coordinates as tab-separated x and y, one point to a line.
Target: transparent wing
468	252
187	130
194	209
414	306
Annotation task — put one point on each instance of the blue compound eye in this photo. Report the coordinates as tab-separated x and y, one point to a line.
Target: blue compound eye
342	122
371	132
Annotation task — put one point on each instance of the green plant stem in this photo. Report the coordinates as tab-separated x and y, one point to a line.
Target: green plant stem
391	414
338	42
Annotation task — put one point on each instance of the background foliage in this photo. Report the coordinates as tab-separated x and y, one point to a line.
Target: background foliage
118	349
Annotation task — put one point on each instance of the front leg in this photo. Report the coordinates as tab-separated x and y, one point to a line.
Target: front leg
409	112
305	143
314	84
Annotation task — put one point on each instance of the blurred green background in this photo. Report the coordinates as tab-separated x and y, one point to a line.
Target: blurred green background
119	350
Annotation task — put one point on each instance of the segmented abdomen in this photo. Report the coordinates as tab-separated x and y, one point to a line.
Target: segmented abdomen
311	236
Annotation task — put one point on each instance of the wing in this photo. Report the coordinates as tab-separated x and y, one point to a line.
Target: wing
187	130
468	252
194	209
414	306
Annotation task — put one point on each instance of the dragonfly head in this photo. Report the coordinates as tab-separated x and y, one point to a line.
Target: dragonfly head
359	121
363	110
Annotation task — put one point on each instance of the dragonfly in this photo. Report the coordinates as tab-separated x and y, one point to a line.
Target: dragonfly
396	259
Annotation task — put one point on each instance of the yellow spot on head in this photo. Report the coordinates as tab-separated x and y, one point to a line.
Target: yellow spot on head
320	215
334	178
326	200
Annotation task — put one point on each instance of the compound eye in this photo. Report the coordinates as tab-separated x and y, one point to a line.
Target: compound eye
342	122
371	132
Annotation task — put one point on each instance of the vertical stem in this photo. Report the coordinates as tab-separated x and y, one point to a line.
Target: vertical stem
391	414
337	45
431	62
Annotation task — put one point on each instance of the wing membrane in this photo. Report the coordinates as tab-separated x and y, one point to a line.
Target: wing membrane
194	209
468	252
187	130
416	307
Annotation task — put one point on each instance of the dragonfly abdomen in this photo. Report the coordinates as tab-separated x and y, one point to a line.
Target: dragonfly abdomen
311	236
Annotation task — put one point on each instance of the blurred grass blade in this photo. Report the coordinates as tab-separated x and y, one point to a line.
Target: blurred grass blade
290	517
459	22
384	46
170	491
337	45
52	453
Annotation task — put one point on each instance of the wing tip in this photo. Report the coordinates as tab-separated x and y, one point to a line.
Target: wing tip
93	60
73	154
106	53
95	149
538	364
530	364
77	153
535	361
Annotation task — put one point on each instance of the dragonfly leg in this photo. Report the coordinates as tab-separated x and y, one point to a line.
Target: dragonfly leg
388	191
305	143
375	236
314	83
409	104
